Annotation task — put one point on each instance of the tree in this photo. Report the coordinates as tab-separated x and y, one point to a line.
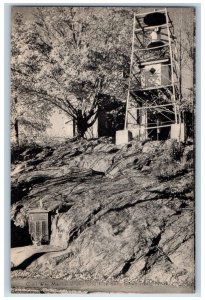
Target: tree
68	57
185	44
28	115
184	21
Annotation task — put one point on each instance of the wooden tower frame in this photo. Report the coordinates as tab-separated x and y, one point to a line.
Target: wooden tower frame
154	107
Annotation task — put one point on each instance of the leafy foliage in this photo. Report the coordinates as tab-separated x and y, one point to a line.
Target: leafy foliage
67	56
28	113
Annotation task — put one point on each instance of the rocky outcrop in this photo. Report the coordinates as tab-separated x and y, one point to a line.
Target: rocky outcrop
123	213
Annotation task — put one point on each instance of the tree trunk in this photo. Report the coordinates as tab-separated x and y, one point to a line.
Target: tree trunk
16	125
81	129
83	122
82	125
16	128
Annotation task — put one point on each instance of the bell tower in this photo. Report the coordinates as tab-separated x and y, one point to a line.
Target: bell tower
153	98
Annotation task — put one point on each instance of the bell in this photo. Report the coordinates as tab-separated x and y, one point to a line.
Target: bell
155	19
156	43
155	38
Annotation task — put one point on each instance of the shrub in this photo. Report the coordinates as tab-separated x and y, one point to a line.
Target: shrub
31	150
176	150
170	172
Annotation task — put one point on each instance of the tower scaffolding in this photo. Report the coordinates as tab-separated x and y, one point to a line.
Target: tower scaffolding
153	97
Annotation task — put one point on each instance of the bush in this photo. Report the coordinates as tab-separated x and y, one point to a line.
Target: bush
171	171
176	150
17	150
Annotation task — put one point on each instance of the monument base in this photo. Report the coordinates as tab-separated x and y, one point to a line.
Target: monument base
178	132
138	132
123	137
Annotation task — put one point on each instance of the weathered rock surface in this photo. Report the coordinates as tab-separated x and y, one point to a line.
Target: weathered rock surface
124	213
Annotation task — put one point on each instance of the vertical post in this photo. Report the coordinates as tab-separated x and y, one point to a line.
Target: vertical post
180	67
171	61
74	127
158	129
129	82
146	121
180	55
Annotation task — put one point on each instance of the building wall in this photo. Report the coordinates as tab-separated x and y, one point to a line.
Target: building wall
62	126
